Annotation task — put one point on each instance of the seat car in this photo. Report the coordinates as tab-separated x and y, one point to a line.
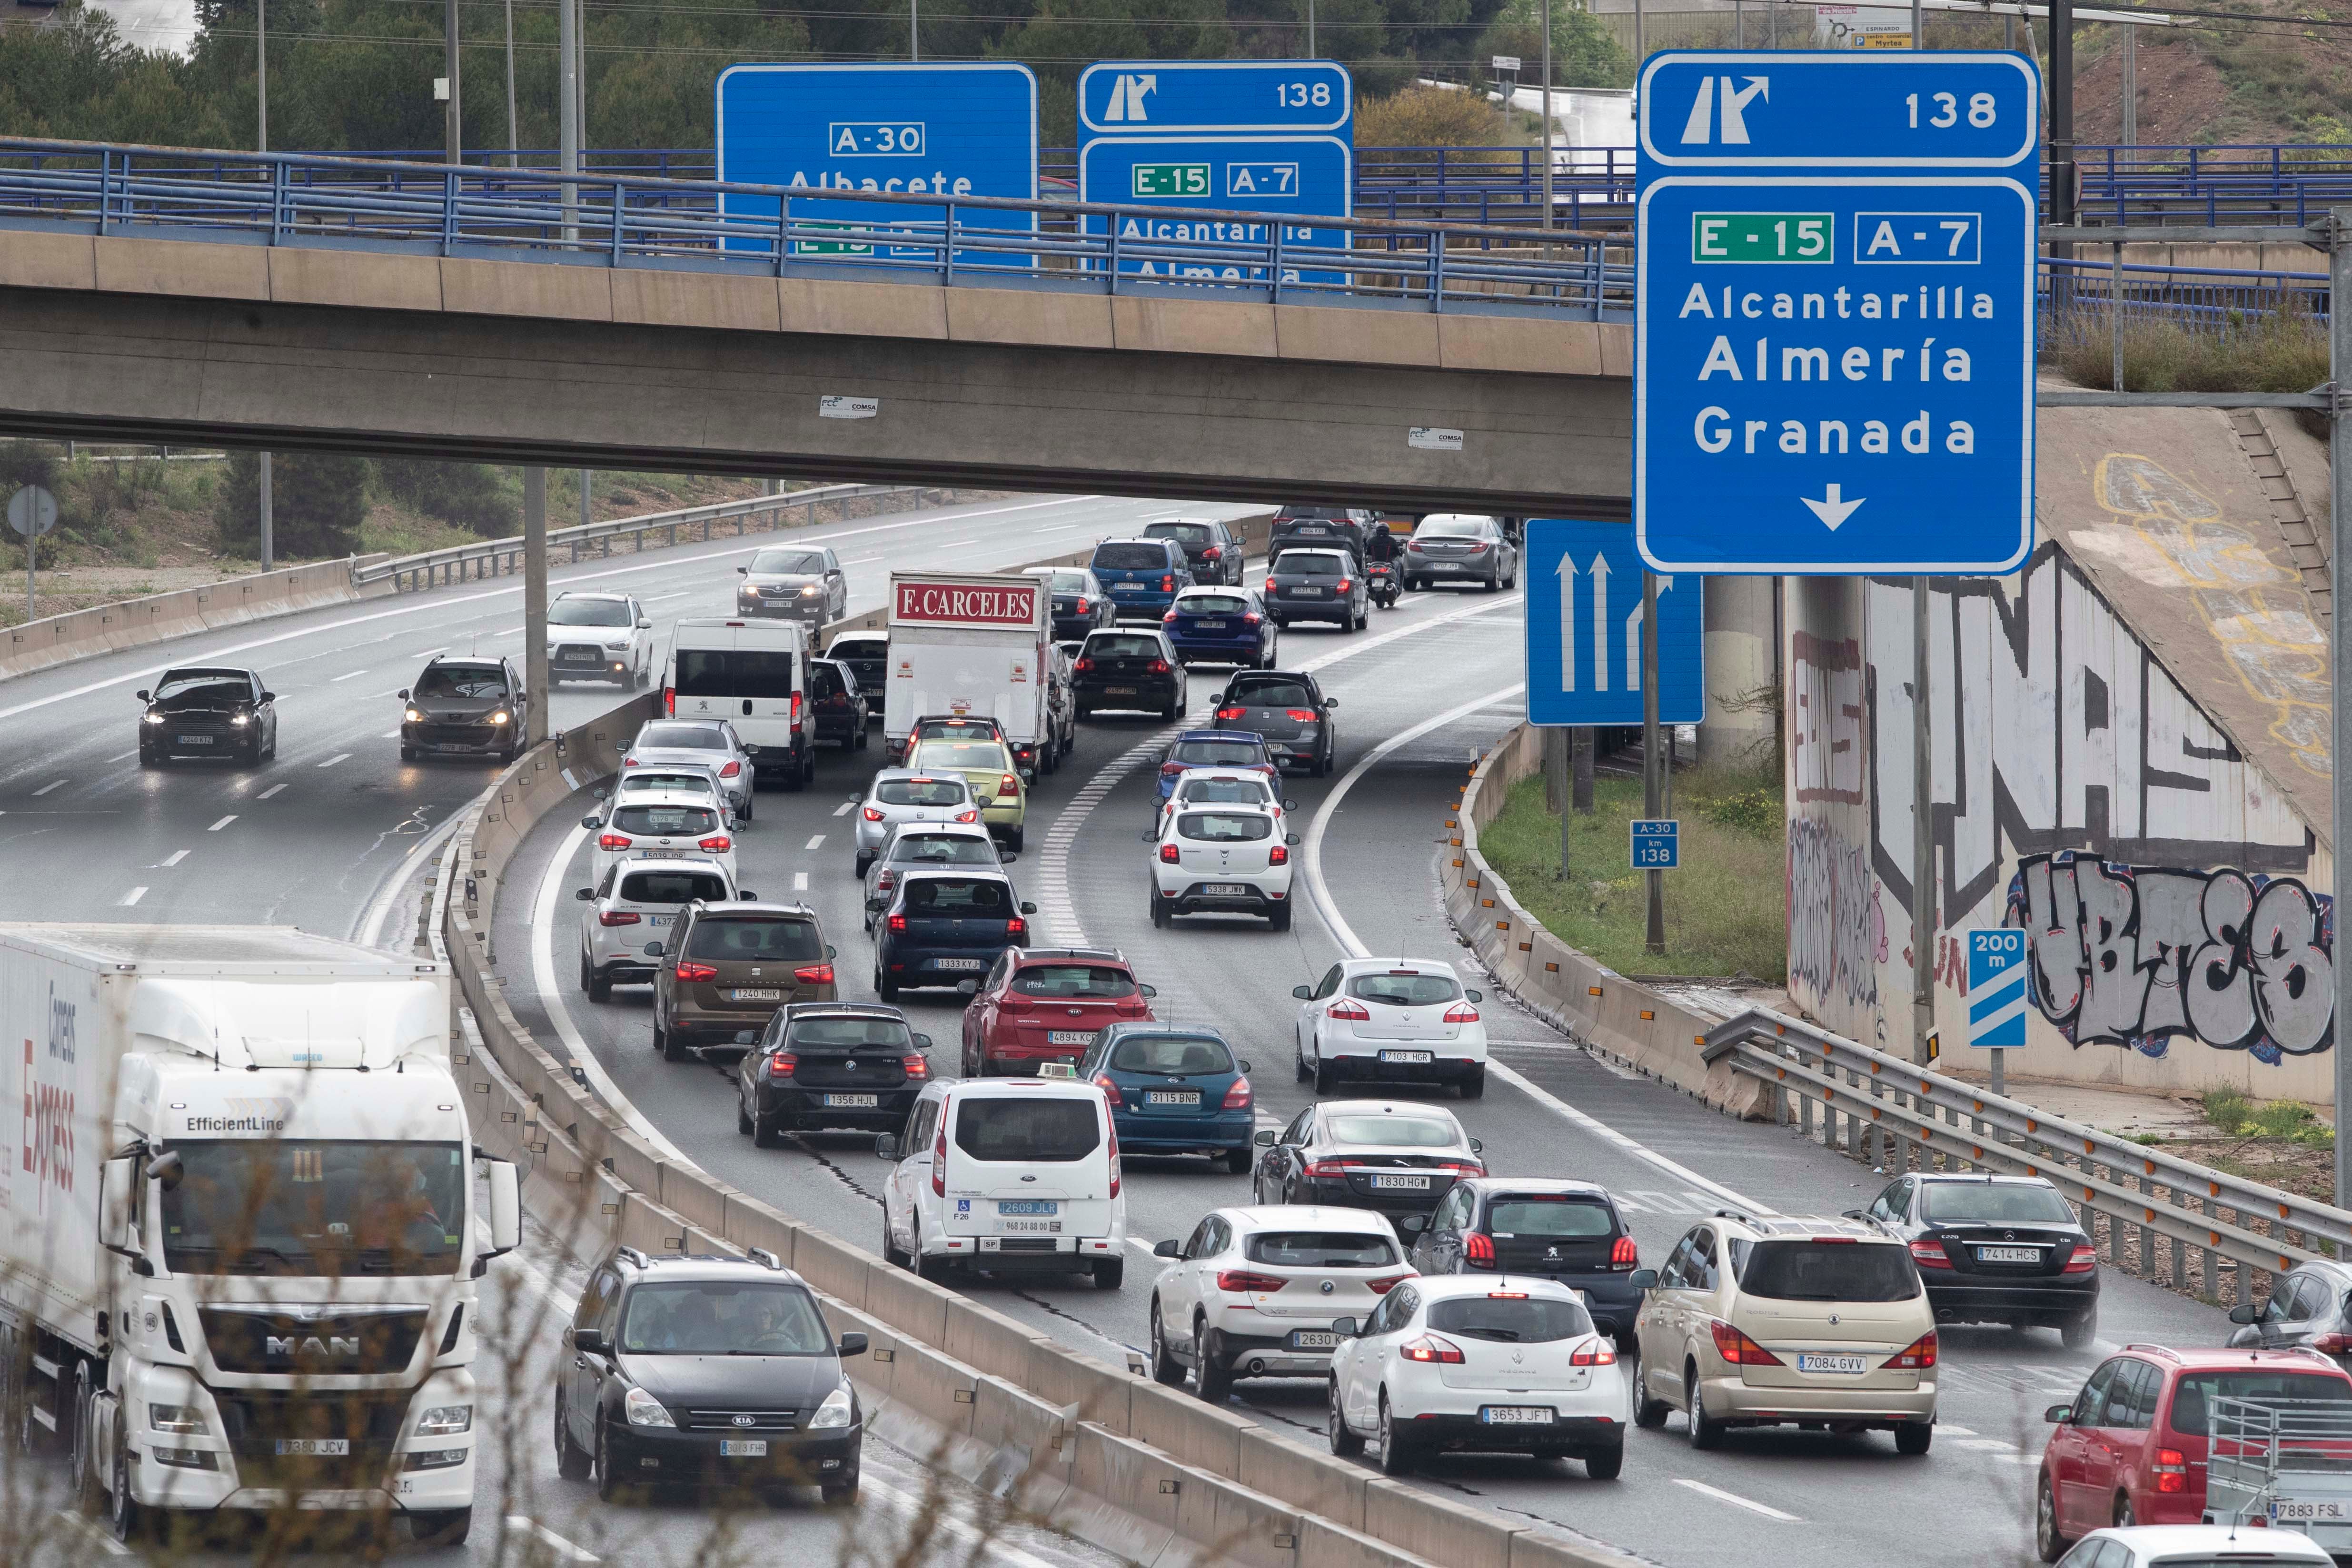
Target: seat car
1390	1158
1016	1176
637	901
1175	1089
1765	1323
670	825
1222	860
988	767
1225	749
1391	1020
830	1064
716	1372
704	743
599	637
896	796
867	655
1481	1365
2309	1305
1220	626
699	781
944	845
2193	1546
1132	671
837	705
727	967
1996	1250
1460	547
1142	576
1290	712
795	581
1211	549
207	710
465	706
1253	1293
1047	1005
1541	1228
1080	602
944	928
1318	586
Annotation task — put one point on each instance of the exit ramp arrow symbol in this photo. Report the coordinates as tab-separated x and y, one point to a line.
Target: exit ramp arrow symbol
1835	509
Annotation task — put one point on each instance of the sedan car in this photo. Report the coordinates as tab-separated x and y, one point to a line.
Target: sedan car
1175	1089
1391	1020
1211	549
1318	586
867	655
830	1064
1996	1250
945	928
702	783
900	795
636	902
598	636
1135	671
472	707
1478	1365
1047	1005
1389	1157
1220	626
1460	547
798	582
989	768
1290	712
927	847
1253	1292
1221	860
1568	1232
1080	603
837	704
2310	1306
1142	574
1234	750
2194	1546
711	743
727	967
659	823
208	712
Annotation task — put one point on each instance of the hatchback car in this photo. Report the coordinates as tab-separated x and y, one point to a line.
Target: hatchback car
830	1064
1393	1159
465	708
1224	749
1080	603
1568	1232
1290	712
1047	1005
700	785
988	767
2310	1306
599	637
727	967
1211	549
1460	547
636	902
900	795
1142	576
2193	1546
915	846
867	655
1766	1322
1220	626
1391	1020
1223	860
204	711
1224	786
1253	1293
719	1372
1175	1089
708	742
944	928
1344	526
798	582
1318	586
1133	671
1482	1365
1996	1250
669	825
836	705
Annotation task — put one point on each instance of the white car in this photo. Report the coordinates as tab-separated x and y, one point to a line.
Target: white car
900	795
1486	1364
2193	1546
1225	786
695	743
1253	1292
598	636
927	847
1223	859
699	782
1391	1020
671	825
636	902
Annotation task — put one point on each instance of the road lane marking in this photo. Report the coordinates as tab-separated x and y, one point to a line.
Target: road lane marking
549	1538
1735	1500
959	543
174	858
372	930
338	757
122	757
46	788
657	598
348	674
429	652
800	881
133	896
844	808
389	735
224	822
815	840
273	789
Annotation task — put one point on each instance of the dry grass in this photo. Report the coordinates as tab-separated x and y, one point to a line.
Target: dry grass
2276	352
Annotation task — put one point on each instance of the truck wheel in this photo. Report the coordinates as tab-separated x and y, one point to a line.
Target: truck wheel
124	1517
441	1526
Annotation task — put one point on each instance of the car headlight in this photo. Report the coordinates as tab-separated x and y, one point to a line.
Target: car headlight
413	717
240	720
644	1410
808	590
176	1418
500	717
152	718
834	1412
617	647
445	1420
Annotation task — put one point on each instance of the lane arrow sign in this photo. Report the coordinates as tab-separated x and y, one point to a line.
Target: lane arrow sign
1835	510
1600	621
1567	623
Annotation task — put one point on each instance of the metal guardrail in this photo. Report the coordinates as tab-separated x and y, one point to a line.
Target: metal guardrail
503	557
1896	1116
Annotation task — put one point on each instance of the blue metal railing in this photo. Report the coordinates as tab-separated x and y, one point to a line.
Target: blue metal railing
2074	296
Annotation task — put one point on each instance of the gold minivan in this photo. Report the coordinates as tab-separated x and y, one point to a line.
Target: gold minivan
726	968
1765	1323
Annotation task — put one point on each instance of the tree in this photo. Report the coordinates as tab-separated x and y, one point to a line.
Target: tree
318	501
1431	117
470	495
1583	54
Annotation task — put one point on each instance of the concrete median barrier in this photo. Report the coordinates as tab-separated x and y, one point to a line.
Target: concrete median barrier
183	612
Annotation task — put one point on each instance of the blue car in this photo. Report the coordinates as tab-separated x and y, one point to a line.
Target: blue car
1220	626
1143	576
1212	748
1175	1088
946	928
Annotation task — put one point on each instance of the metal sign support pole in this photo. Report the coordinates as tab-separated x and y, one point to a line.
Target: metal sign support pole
454	123
1922	848
1547	114
567	113
32	549
1653	757
2339	583
587	496
268	517
534	598
1582	775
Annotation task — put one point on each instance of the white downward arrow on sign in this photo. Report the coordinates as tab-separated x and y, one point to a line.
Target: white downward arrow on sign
1835	510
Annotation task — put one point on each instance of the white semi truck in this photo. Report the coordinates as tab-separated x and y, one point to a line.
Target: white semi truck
972	644
242	1231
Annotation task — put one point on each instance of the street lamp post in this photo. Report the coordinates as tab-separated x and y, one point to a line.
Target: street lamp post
261	145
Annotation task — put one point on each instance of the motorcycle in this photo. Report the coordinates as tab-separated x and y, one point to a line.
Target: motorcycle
1382	583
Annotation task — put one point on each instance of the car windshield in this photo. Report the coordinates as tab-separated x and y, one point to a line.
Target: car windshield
1455	528
682	737
1320	1249
1171	1056
1543	1213
1509	1318
306	1207
788	562
1826	1271
850	1033
2194	1393
1313	563
944	849
1309	514
1403	1132
589	613
1995	1202
1225	827
722	1317
1094	980
1026	1130
955	728
735	672
1213	605
1404	988
666	820
672	887
948	791
697	783
1255	791
211	682
1271	694
976	755
1131	557
1065	581
1117	647
1217	753
754	939
981	897
461	680
1190	533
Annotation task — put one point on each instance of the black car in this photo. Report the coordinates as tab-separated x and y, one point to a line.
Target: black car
944	928
208	712
719	1372
1326	526
1080	603
1325	584
1290	711
1212	548
867	655
1396	1159
830	1064
837	703
1996	1250
1562	1230
466	706
1137	670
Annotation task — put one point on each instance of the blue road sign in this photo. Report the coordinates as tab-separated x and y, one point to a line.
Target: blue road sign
1134	97
1657	844
952	129
1585	631
1834	321
1997	988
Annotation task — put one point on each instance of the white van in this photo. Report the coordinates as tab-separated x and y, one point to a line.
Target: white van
1006	1175
754	675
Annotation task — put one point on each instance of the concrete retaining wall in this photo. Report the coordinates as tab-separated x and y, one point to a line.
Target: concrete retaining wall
134	622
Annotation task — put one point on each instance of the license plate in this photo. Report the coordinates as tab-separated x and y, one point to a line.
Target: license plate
1408	1183
1210	626
958	963
1028	1205
581	658
1515	1415
1069	1036
1408	1058
1313	1339
1308	592
759	994
1444	566
2315	1510
1118	690
315	1448
1127	587
1171	1097
852	1102
195	739
742	1448
2009	1255
658	921
1225	889
1850	1365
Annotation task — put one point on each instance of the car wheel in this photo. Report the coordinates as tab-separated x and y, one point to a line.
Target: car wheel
1396	1448
1475	1086
1326	1080
673	1048
1649	1413
1915	1437
934	1270
125	1519
796	778
890	1253
884	986
1605	1464
407	754
1012	840
2076	1333
1165	1368
1210	1377
2125	1517
1158	910
1279	919
1704	1432
743	1122
837	1494
1110	1273
1344	1443
864	864
572	1461
1239	1160
598	986
2048	1544
745	814
1298	1059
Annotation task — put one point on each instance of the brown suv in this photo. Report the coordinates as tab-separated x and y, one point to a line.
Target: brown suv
727	967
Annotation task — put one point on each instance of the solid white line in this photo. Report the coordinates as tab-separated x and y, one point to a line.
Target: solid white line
844	808
46	788
353	675
532	1527
381	911
959	543
174	858
816	840
338	757
1735	1500
122	757
389	735
133	896
224	822
657	598
273	789
800	881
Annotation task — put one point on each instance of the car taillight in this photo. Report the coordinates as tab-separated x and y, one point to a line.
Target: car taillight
1343	1008
1238	1094
2086	1259
1016	926
1168	584
1231	712
1414	546
1168	854
780	1066
612	841
1383	1286
1478	1250
1300	715
1084	605
2171	1470
1326	1170
1240	1279
1159	667
696	972
1110	1091
1007	785
1597	1353
939	1157
1345	583
1085	664
718	843
628	762
669	703
1252	618
796	707
1625	1254
1213	553
1478	548
1114	1154
1460	1169
1739	1349
971	814
885	881
871	814
1277	856
815	975
1928	1253
618	916
1168	619
1917	1356
1168	768
897	922
1462	1013
916	1067
731	770
1430	1348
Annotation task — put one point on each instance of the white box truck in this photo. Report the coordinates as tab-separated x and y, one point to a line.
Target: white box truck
242	1225
975	645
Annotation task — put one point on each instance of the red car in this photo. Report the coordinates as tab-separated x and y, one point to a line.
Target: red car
2130	1450
1045	1005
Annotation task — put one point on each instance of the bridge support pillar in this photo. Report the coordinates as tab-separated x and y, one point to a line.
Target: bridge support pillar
534	597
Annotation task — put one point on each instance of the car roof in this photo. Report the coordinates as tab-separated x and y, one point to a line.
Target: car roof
905	830
1005	1088
1064	954
1445	1287
1266	1216
661	797
592	593
1367	965
1213	590
1485	1185
1799	1227
1127	1028
1976	1178
1462	517
2157	1540
203	669
1129	539
641	1265
698	723
2215	1358
673	863
952	874
752	906
1220	773
799	1010
464	661
929	775
1238	737
1406	1111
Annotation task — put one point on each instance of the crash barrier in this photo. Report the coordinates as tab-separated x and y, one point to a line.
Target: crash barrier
134	623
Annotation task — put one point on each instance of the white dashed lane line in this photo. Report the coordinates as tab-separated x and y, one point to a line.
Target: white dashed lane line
273	789
338	757
1735	1500
46	788
174	858
816	840
843	808
133	896
351	674
224	822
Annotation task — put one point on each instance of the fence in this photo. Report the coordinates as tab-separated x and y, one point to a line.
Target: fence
2074	296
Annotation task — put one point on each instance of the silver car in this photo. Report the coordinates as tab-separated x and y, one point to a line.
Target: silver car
695	742
633	903
929	846
696	780
635	825
798	582
900	795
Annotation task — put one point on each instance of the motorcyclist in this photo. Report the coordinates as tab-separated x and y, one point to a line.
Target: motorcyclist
1380	545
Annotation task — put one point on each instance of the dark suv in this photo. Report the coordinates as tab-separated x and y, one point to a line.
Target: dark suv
727	967
465	706
1214	553
831	1064
1323	526
838	700
713	1371
1561	1230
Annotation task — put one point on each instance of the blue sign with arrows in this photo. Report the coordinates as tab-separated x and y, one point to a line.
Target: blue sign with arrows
1585	630
1834	365
1997	988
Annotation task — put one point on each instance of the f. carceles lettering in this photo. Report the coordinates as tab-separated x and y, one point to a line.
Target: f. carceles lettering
1011	606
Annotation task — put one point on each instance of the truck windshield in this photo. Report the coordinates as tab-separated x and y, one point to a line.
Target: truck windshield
301	1207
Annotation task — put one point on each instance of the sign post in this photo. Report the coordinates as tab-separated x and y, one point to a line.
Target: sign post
32	512
1997	994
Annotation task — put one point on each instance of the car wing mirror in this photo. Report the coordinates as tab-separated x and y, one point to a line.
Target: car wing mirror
1028	909
590	822
1330	702
1410	1225
1345	1327
269	697
742	571
146	696
1643	1279
590	1341
1304	993
1475	995
1003	859
402	694
653	950
923	1042
585	895
1148	991
2247	1313
1290	806
1477	1147
1169	1249
967	987
747	895
622	746
852	1343
885	1146
2058	1415
1263	1137
1242	1065
1294	841
830	951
